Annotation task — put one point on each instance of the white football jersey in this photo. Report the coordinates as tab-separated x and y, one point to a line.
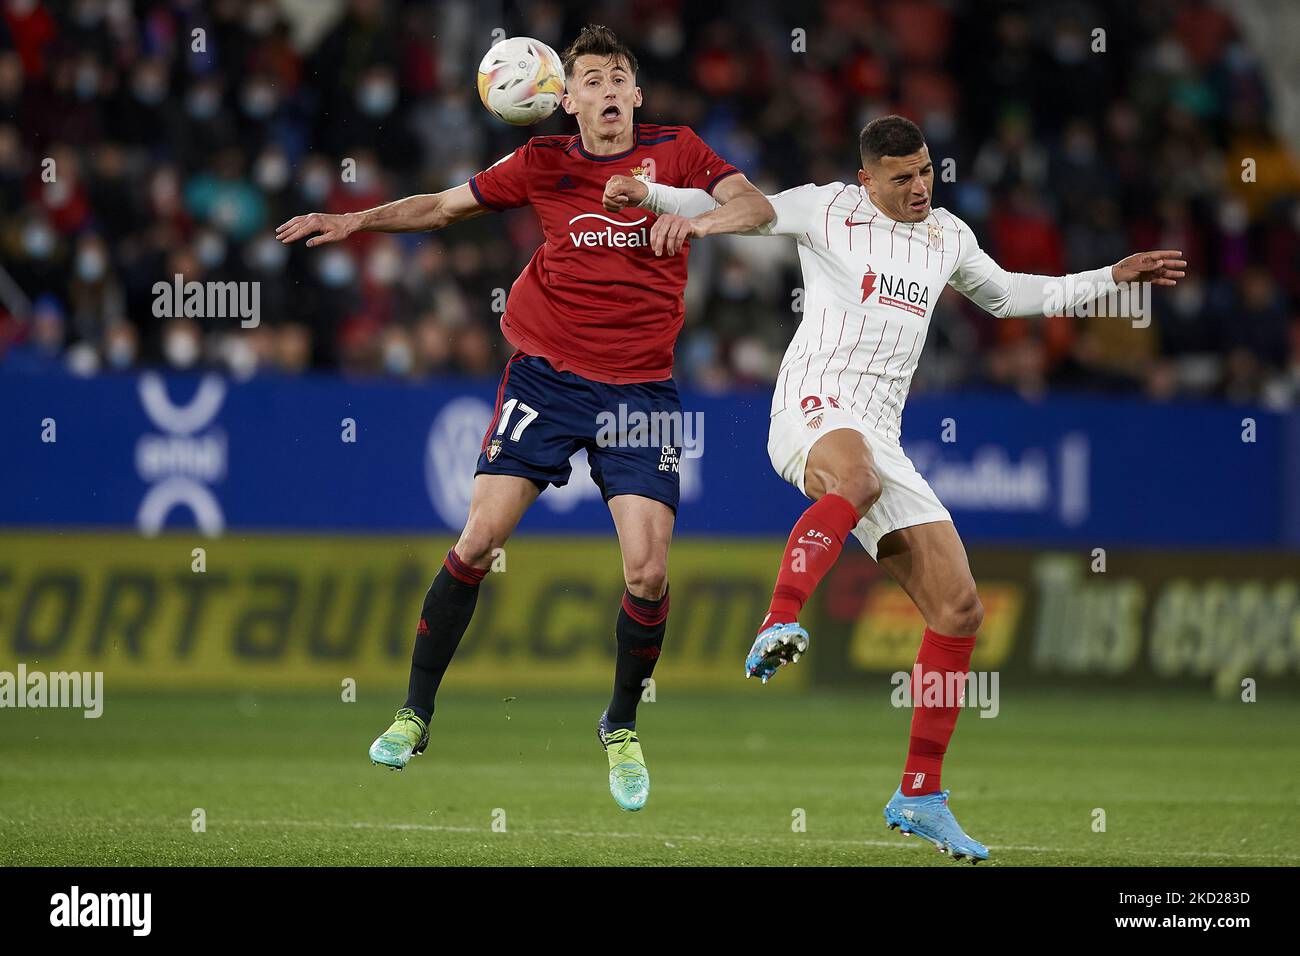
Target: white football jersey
870	287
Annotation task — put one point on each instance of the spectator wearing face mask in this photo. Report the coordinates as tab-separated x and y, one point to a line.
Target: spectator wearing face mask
94	293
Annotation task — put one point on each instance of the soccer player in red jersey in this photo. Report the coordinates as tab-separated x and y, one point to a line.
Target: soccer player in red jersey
593	318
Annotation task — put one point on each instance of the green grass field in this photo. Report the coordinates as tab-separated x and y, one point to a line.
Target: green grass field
1185	780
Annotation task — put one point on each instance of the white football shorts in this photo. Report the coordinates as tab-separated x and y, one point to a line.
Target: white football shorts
905	498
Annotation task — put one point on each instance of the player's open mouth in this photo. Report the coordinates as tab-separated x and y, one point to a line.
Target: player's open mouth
920	204
611	113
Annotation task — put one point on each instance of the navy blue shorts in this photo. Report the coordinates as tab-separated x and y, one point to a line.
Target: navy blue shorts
543	417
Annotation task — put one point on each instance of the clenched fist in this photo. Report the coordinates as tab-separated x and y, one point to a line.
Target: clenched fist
623	191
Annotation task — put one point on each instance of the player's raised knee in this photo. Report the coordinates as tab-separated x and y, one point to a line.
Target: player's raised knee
962	613
860	487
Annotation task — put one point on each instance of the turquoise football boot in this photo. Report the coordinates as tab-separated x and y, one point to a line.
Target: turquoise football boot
928	816
629	780
407	736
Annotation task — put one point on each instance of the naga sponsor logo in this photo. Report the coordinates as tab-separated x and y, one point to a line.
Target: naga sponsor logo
868	283
617	233
905	294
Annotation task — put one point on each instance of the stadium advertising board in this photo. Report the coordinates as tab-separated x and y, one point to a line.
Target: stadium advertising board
281	611
317	455
278	611
1148	617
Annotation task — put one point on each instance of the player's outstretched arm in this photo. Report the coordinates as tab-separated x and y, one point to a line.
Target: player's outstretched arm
736	206
1016	294
419	213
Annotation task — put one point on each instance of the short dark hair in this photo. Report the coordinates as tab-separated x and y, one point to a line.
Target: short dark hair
889	136
597	40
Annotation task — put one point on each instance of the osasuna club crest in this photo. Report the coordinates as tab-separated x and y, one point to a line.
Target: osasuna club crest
493	449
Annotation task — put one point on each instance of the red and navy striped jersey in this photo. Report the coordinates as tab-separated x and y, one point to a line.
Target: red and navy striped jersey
595	299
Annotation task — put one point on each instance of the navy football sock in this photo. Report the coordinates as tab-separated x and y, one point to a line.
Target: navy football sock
640	634
448	607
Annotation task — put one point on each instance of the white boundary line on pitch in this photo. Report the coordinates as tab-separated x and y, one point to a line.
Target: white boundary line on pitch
900	844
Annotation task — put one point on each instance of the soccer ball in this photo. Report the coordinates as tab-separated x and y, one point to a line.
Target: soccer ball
521	81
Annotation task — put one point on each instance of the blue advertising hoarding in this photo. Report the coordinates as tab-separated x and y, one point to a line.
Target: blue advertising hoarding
320	454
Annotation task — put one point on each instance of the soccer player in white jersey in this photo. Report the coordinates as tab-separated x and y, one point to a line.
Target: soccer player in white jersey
875	257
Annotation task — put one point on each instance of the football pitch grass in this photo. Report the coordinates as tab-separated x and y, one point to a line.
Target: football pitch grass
1183	779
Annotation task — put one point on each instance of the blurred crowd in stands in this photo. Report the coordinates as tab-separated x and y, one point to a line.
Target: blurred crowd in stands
180	152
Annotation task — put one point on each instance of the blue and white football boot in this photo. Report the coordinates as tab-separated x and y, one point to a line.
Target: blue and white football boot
928	816
775	647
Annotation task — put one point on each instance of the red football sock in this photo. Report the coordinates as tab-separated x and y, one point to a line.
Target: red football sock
814	545
932	726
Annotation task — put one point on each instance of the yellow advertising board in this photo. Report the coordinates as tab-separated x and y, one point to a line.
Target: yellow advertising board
311	611
279	611
888	630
